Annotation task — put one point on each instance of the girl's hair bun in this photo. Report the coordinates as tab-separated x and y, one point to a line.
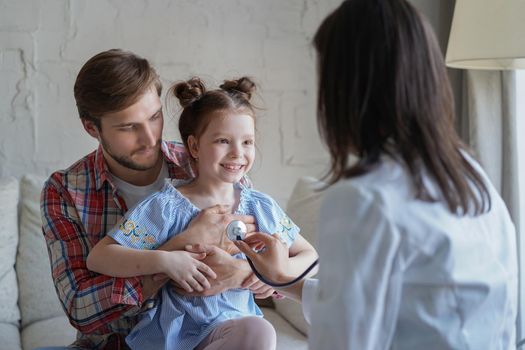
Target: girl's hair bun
189	91
244	86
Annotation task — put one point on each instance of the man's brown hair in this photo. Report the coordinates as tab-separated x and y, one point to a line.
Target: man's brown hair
112	81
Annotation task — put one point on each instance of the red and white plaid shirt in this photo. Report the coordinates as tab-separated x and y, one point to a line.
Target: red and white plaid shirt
79	206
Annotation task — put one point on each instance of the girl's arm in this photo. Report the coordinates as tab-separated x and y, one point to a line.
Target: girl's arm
302	254
110	258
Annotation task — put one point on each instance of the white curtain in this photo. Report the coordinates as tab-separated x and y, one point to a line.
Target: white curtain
488	123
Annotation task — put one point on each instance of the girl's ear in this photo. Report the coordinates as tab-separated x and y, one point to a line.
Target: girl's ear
193	147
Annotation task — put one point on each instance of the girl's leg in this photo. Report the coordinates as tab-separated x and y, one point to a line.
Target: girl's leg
243	333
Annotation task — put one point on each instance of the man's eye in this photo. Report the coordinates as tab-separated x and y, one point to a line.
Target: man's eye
127	128
156	116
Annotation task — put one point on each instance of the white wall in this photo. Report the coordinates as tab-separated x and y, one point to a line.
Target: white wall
44	43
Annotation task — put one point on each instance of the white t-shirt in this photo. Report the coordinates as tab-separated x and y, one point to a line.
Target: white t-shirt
134	194
400	273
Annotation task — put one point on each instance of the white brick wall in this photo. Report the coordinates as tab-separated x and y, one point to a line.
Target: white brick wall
43	44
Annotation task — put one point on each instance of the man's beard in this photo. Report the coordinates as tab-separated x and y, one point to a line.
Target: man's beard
126	161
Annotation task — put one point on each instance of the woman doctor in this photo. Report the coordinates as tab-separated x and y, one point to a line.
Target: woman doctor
417	250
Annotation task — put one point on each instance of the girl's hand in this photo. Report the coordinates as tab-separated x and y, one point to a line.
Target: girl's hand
187	271
259	289
273	261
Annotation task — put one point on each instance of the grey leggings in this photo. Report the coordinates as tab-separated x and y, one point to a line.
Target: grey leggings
243	333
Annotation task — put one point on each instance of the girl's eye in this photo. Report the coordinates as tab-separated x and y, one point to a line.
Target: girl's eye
248	142
222	141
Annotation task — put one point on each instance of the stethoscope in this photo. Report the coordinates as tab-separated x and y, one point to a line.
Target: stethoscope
236	231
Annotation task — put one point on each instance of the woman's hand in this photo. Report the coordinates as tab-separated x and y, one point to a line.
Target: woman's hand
272	262
259	289
187	271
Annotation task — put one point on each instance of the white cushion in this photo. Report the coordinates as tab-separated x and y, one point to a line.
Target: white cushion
55	331
9	337
303	208
9	312
287	336
38	299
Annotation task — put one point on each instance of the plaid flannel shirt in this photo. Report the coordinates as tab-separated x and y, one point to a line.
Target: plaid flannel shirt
79	206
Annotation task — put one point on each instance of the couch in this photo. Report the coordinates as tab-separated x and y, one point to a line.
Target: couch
30	313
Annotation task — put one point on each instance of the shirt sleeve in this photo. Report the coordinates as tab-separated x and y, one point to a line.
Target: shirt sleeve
91	301
148	224
357	299
272	219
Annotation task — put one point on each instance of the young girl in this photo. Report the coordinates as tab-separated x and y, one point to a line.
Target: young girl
218	130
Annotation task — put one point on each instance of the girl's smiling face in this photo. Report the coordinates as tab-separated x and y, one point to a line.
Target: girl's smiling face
225	151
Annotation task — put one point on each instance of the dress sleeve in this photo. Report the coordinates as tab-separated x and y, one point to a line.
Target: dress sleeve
271	218
149	223
360	279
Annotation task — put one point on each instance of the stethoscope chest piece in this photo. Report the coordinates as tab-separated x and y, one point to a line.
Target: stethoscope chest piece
236	230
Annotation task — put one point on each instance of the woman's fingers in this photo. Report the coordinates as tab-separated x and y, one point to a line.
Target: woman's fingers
264	293
246	249
249	282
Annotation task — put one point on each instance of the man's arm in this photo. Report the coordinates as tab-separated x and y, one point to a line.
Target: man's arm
90	300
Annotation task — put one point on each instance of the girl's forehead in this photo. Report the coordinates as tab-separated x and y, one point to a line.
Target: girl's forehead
231	120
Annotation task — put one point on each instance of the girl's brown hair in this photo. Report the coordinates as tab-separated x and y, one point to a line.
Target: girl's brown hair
200	104
383	85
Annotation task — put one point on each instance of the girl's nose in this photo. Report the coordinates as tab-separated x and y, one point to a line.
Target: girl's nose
235	152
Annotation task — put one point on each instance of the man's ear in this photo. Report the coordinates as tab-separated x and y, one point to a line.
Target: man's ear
91	128
193	146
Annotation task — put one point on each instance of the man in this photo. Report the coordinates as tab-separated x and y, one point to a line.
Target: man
118	99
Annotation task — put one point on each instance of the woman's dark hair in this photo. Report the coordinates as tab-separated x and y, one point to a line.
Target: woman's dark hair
200	104
112	81
383	88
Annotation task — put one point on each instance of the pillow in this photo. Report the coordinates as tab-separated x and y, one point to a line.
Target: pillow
38	299
9	312
303	208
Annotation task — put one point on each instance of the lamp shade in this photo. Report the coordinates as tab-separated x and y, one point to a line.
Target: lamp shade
487	34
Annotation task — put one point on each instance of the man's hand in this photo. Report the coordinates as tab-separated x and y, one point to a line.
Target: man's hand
209	229
231	272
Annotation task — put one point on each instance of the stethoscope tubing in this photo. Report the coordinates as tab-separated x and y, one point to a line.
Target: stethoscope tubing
285	284
236	231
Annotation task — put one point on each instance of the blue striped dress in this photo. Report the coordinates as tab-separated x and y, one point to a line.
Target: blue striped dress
182	322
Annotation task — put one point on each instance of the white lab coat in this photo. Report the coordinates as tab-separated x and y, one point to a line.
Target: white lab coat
400	273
